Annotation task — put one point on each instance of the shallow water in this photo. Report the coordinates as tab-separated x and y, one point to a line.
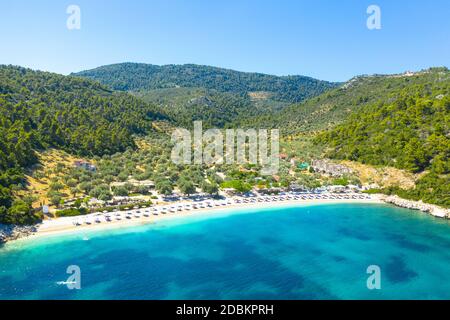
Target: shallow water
305	252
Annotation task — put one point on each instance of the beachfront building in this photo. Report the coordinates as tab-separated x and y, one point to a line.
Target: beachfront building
229	192
94	202
370	186
336	189
271	190
353	188
321	190
295	187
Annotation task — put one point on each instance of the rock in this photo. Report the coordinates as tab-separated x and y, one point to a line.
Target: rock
13	232
417	205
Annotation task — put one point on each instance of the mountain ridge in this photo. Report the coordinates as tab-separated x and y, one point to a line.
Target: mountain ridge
334	106
130	76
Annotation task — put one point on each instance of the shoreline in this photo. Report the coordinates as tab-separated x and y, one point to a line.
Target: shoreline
431	209
64	225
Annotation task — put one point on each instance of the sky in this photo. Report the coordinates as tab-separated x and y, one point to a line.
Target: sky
325	39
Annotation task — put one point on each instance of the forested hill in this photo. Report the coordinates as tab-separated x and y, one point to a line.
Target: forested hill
335	106
214	109
40	110
144	77
409	129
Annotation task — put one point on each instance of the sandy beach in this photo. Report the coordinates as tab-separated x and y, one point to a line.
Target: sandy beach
66	225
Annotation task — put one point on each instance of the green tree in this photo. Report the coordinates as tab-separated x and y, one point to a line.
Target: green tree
186	187
210	188
121	191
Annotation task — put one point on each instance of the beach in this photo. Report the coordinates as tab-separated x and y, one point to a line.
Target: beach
187	209
287	250
65	225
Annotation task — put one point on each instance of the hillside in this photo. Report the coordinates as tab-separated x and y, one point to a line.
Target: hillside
398	121
214	108
145	77
41	110
407	129
333	107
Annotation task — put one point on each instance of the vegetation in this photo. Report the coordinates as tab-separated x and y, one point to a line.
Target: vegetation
431	188
72	212
213	108
216	96
409	131
41	110
397	121
144	77
238	185
334	106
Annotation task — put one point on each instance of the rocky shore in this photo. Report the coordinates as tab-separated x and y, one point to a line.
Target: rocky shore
417	205
11	232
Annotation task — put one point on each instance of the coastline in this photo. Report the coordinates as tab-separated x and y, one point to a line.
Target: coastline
62	226
65	225
431	209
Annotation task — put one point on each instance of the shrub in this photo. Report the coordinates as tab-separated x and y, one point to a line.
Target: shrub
71	212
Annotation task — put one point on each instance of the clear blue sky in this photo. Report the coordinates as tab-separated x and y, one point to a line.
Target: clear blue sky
326	39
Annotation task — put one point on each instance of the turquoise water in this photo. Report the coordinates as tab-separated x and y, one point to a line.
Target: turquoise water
307	252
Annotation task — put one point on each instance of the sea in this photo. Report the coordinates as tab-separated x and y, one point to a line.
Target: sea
315	251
